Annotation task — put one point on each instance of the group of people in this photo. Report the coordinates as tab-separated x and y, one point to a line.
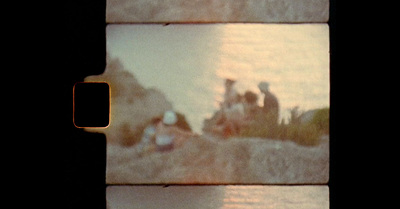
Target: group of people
239	110
163	135
236	112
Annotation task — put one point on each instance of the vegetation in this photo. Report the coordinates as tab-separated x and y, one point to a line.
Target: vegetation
304	132
321	120
307	133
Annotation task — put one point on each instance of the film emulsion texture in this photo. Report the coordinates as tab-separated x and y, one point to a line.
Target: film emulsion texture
203	197
230	11
217	104
211	104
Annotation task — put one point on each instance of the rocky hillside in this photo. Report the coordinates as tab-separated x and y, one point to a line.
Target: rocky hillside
131	104
206	160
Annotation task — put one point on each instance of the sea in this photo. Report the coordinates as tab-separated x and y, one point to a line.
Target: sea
189	63
218	197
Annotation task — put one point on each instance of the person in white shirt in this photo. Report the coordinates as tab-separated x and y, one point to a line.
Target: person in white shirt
168	135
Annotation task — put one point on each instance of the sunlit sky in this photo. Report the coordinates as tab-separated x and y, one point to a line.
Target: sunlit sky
189	62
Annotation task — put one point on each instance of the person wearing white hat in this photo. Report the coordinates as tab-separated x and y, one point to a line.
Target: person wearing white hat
170	118
168	135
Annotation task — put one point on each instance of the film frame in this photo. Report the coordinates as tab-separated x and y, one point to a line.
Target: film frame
170	23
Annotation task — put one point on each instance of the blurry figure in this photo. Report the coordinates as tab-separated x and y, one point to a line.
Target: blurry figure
232	114
147	143
230	96
250	105
271	105
235	117
223	127
168	135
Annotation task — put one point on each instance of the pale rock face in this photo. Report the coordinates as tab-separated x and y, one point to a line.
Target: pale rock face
203	160
261	11
131	104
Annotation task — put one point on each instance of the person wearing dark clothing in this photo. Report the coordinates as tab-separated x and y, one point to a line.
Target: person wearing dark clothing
271	104
231	95
250	104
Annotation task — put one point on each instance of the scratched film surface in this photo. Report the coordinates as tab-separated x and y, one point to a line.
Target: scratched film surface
201	197
178	75
229	11
273	128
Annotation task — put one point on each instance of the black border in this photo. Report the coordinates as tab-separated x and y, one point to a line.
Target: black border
81	156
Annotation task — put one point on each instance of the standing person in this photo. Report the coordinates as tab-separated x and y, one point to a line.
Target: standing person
231	95
271	105
168	135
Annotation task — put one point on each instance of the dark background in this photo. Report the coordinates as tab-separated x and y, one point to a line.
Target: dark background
91	104
79	157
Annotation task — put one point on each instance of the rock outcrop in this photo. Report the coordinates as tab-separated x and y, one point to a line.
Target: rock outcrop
203	160
132	105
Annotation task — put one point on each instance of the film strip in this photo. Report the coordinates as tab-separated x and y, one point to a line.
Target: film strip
212	104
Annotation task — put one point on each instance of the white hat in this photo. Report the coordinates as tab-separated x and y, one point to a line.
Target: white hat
170	117
263	86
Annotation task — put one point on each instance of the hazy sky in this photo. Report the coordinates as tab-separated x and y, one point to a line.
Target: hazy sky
189	62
